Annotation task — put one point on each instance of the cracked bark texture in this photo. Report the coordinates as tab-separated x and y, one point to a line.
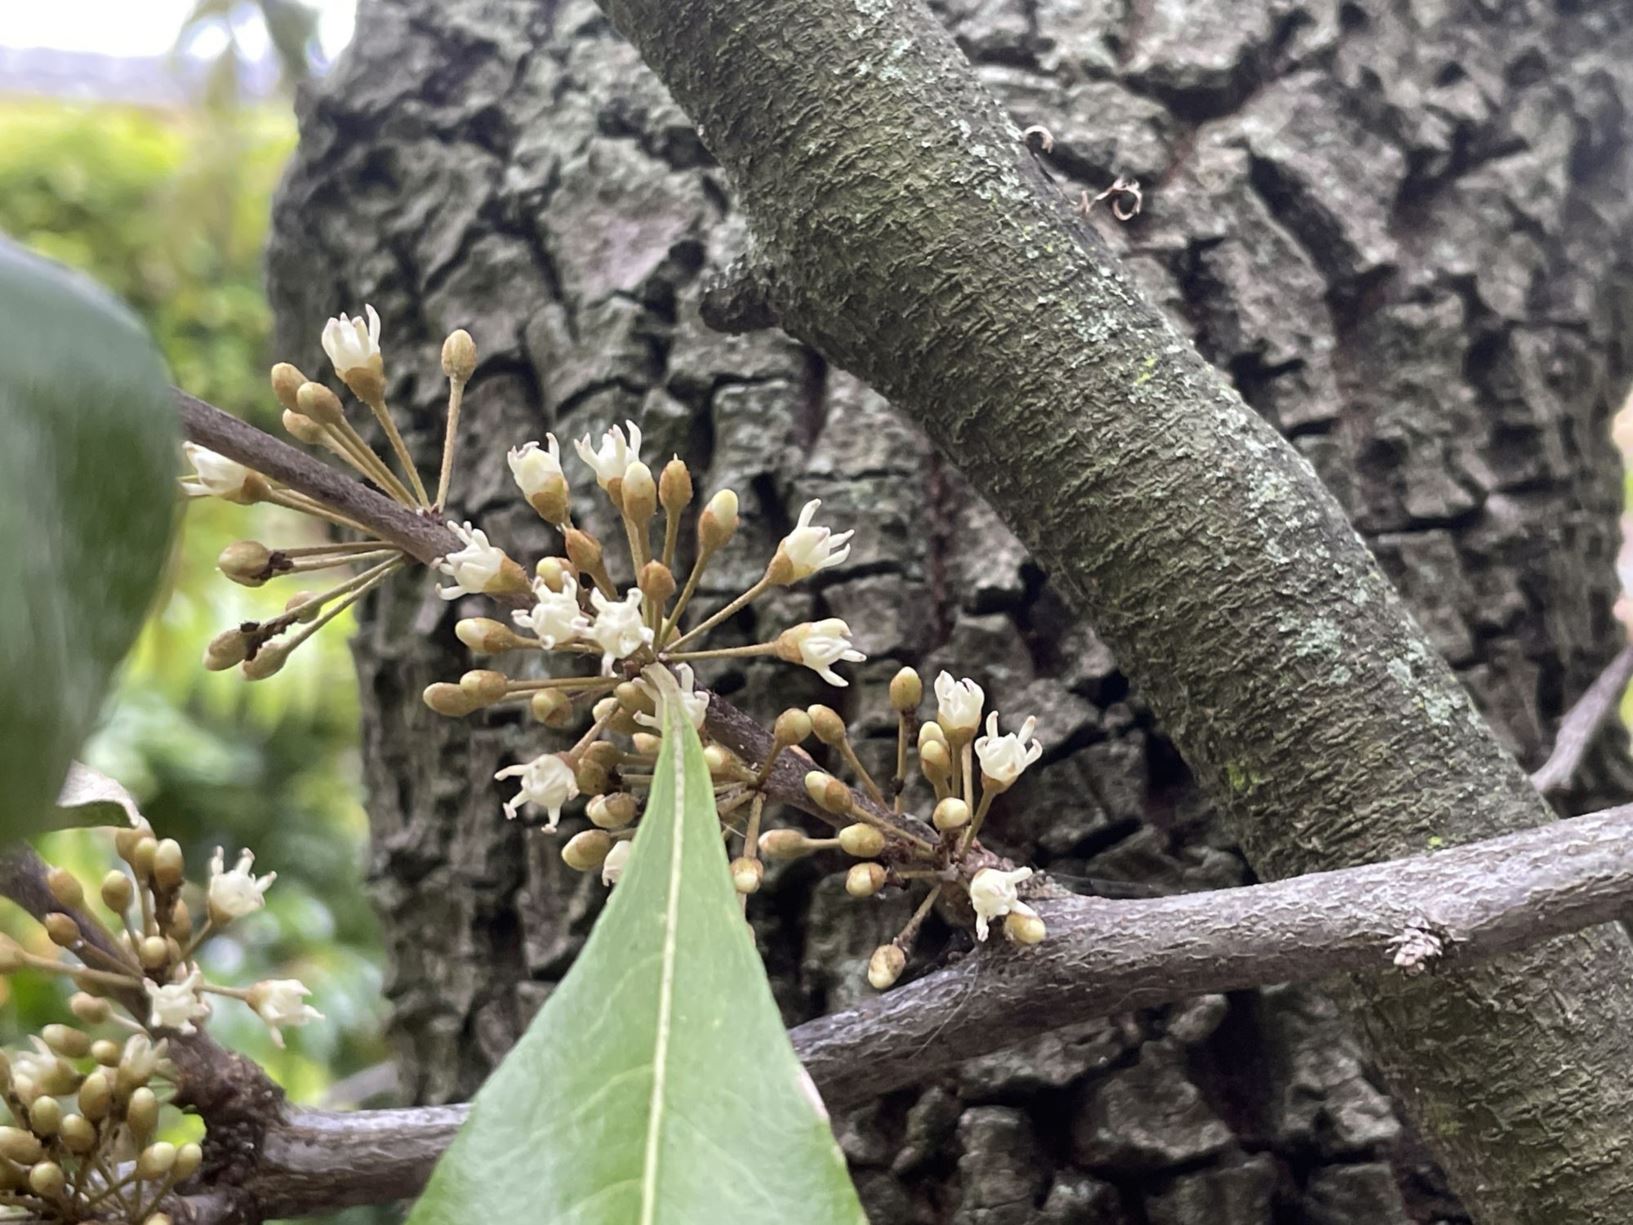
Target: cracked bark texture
1399	229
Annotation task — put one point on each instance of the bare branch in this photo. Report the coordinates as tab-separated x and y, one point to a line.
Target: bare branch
1447	908
1582	723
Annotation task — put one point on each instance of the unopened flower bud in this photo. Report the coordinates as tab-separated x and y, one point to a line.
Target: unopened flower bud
302	428
486	636
931	733
142	1112
156	1160
64	932
675	486
1023	928
886	966
246	562
459	356
65	887
551	707
592	778
640	494
784	844
160	1218
304	600
718	522
484	686
67	1041
863	841
316	401
226	650
747	874
935	762
153	952
47	1179
635	698
106	1051
268	661
906	691
45	1116
585	850
556	573
613	811
792	727
11	954
825	721
865	879
449	700
584	551
657	583
117	891
286	384
95	1096
819	786
91	1009
952	813
188	1158
19	1146
76	1133
169	864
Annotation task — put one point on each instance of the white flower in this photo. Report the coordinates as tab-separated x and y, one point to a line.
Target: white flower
351	343
280	1002
1004	757
213	474
472	568
534	467
232	895
176	1005
547	781
958	703
992	893
819	645
618	628
694	705
555	616
615	455
811	548
612	867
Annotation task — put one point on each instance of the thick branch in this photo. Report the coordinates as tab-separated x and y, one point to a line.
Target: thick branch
1101	957
917	243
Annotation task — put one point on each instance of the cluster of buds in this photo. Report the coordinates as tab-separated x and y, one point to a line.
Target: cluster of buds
566	609
315	415
85	1120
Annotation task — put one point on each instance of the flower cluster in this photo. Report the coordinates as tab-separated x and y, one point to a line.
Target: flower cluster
566	609
85	1109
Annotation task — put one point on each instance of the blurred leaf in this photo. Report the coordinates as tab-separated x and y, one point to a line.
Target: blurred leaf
89	798
86	505
657	1084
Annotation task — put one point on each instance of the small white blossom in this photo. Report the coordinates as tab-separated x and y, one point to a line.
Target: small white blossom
618	629
176	1005
615	455
992	893
547	782
555	616
958	703
810	547
822	644
535	467
694	705
280	1002
352	343
472	568
612	867
1004	757
213	474
232	895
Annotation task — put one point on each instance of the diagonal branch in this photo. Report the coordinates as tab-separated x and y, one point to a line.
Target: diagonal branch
1102	956
1582	723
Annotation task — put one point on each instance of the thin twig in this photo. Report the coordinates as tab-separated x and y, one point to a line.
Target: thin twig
1582	723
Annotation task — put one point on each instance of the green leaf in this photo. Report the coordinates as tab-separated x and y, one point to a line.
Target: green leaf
90	798
87	472
657	1085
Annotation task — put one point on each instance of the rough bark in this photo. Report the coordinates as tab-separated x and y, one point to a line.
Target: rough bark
1408	277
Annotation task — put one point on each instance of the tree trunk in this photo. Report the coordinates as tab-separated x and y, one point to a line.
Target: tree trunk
1393	232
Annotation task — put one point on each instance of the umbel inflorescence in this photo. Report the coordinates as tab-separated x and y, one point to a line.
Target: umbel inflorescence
87	1099
569	644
